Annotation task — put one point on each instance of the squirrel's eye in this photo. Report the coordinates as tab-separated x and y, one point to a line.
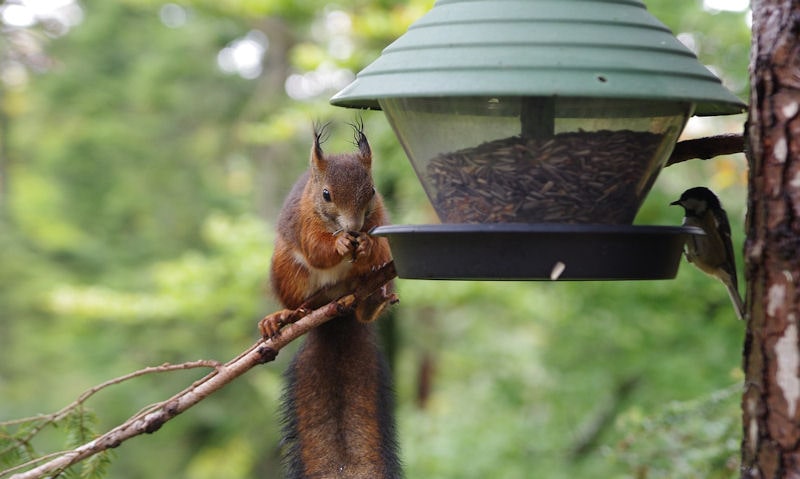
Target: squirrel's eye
326	195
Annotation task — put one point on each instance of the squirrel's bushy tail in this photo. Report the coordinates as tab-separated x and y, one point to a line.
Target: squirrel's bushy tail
338	406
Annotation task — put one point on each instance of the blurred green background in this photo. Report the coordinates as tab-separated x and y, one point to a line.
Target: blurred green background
145	148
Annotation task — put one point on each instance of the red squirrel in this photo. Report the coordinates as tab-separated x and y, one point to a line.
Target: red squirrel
338	403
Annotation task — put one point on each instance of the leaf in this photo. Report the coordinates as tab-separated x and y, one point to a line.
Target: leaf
97	466
80	424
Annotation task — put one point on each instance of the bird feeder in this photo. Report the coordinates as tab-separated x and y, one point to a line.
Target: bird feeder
537	128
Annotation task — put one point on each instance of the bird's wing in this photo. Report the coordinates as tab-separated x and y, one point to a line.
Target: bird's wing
724	228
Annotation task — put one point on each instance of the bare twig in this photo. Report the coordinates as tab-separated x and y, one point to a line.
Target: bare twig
708	147
153	417
48	419
58	415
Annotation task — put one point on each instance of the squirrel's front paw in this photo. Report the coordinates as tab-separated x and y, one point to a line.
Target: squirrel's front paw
364	248
346	244
271	325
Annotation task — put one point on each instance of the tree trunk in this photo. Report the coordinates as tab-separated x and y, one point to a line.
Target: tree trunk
771	400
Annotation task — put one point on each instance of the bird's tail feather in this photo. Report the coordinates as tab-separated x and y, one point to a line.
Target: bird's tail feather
736	299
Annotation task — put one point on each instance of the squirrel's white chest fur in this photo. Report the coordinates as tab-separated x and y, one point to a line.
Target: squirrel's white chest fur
319	278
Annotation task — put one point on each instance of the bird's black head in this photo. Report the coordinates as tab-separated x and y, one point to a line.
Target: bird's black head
698	200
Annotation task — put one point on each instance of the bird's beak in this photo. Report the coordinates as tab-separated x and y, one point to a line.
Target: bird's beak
676	203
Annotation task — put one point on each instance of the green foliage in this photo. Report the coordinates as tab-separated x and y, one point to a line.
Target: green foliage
143	190
538	362
128	167
81	427
692	439
78	426
227	276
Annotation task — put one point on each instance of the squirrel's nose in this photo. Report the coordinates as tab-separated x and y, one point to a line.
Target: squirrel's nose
352	223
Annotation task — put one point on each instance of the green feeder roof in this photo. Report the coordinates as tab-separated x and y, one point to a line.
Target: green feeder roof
568	48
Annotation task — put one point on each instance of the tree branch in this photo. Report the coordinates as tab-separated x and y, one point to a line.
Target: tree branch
49	419
706	148
58	415
153	417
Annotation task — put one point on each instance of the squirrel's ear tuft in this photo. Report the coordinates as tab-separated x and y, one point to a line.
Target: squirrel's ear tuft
362	143
318	161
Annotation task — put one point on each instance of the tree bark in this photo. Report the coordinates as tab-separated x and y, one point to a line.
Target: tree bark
771	399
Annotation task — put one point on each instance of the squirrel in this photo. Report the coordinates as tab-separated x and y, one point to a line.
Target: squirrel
338	402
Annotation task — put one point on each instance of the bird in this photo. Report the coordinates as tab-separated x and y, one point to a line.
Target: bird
712	252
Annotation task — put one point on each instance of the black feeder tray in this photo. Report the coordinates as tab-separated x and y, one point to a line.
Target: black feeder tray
512	251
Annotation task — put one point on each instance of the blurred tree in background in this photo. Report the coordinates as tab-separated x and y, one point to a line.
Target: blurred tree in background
145	148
